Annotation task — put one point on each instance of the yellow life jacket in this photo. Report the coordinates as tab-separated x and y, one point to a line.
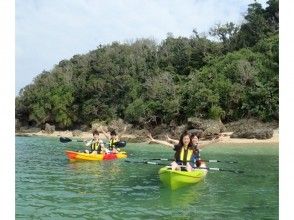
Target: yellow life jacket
95	146
112	143
186	158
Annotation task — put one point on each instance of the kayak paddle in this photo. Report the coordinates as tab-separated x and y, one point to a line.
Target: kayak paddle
218	161
215	169
220	169
66	140
146	162
209	161
119	144
205	168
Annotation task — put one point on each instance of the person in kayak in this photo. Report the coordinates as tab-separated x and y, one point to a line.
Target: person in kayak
113	139
196	151
96	145
195	159
196	146
183	151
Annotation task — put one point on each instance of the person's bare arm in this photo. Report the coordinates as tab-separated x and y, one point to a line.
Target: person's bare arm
160	141
172	140
106	135
87	142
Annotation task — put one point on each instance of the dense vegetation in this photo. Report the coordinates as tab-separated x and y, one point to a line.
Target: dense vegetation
230	73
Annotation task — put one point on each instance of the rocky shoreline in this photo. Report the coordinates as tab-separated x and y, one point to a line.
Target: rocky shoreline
132	138
242	131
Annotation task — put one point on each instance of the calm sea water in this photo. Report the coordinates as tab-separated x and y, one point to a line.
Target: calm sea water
48	186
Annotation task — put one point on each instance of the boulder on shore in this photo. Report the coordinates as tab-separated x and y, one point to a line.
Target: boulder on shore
84	128
76	133
96	125
49	129
209	127
264	133
199	133
250	124
27	129
117	125
251	128
177	131
137	136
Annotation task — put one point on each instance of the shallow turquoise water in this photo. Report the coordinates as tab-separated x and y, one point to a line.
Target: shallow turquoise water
48	186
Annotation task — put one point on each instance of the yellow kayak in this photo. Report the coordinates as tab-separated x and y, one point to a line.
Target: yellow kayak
176	179
79	156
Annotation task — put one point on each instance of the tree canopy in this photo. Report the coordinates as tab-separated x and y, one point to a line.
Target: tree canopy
230	74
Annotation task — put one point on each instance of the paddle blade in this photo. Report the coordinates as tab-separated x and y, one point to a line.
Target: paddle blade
120	144
233	171
231	161
239	171
226	170
64	139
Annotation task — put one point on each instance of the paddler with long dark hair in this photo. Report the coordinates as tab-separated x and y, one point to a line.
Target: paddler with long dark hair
194	145
183	151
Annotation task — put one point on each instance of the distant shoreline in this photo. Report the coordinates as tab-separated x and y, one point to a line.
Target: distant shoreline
88	135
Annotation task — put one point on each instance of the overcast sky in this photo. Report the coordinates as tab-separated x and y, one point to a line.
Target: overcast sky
49	31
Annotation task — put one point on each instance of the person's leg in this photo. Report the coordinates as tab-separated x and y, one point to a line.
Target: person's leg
189	167
174	165
198	163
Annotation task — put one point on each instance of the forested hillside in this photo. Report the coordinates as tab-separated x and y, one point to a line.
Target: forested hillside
230	73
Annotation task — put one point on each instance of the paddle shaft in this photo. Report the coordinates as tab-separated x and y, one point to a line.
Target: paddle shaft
220	169
215	169
205	168
209	161
145	162
119	144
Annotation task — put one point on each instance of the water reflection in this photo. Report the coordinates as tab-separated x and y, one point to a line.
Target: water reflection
95	167
182	197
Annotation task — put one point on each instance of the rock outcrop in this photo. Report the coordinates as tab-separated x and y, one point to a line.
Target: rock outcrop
49	129
264	133
251	128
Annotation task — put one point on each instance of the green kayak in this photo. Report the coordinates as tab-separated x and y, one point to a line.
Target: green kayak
176	179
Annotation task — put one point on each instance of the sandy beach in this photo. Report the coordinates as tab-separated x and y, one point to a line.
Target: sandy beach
225	139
